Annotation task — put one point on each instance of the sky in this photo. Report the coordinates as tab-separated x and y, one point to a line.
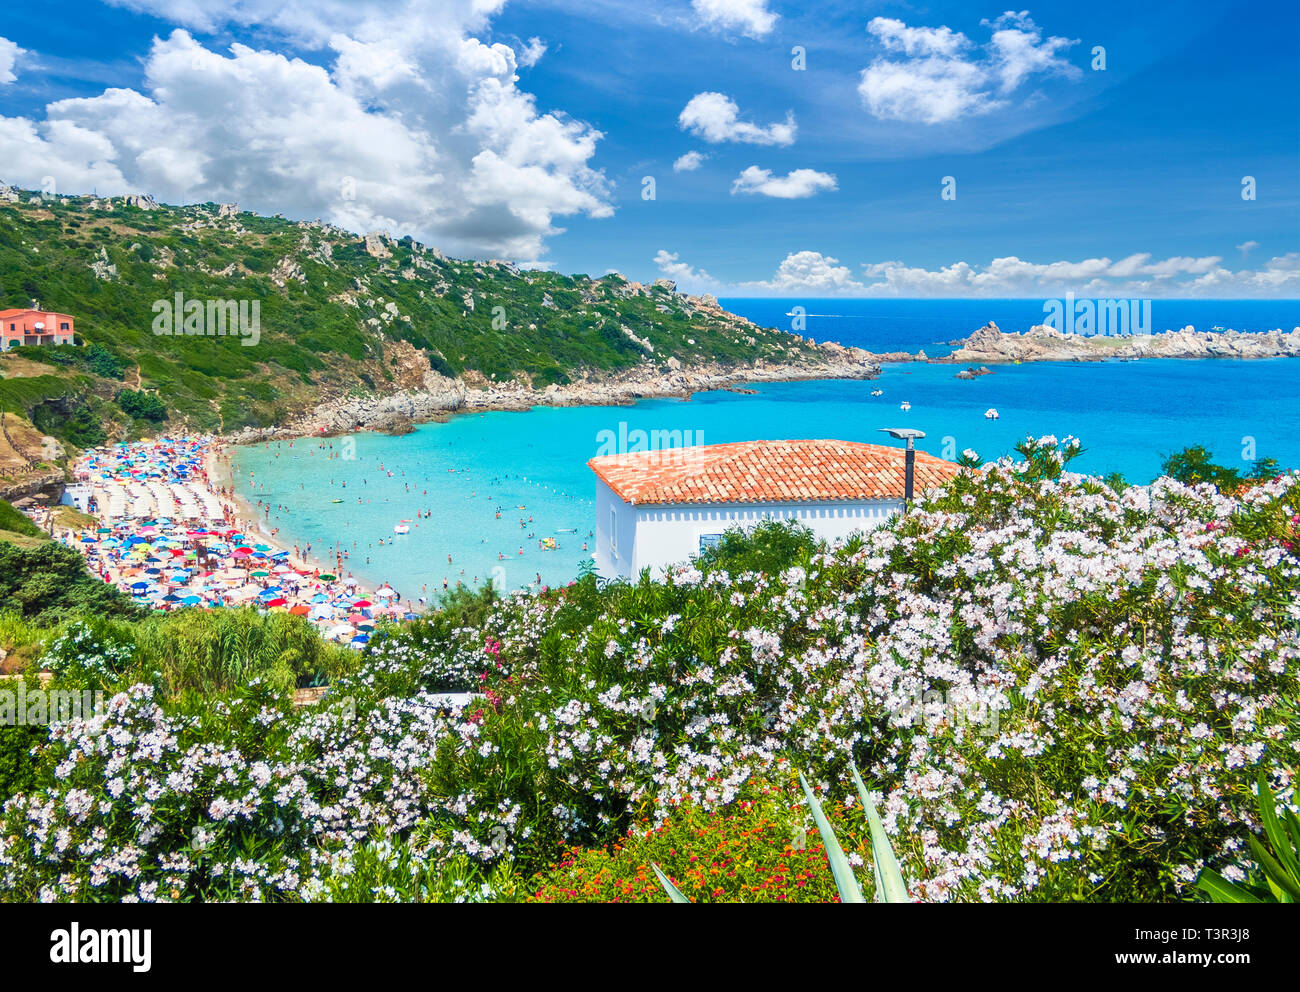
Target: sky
739	147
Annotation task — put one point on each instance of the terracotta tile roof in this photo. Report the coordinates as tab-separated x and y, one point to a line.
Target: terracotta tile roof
767	472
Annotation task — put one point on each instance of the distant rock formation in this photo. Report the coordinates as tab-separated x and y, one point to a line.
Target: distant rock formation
1047	344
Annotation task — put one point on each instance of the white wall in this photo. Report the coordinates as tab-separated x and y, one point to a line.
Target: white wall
657	536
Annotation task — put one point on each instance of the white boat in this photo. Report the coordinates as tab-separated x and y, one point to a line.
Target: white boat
877	392
905	406
990	414
401	529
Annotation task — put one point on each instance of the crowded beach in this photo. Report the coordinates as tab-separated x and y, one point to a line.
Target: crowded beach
171	536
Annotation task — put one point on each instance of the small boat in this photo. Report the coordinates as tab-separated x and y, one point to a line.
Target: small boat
336	501
990	414
877	392
401	529
905	406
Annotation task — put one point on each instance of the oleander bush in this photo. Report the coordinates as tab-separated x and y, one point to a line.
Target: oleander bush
1053	689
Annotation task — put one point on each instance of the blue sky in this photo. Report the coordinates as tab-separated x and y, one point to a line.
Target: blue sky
526	129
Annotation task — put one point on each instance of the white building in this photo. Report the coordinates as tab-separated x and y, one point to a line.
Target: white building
658	508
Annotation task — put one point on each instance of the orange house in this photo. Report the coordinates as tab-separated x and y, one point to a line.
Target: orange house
34	327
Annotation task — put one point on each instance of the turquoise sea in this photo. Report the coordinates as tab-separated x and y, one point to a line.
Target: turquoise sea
1127	414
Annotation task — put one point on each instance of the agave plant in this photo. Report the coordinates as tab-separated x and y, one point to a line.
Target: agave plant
890	885
1279	859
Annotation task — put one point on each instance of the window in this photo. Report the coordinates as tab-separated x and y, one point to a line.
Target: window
709	541
613	532
63	326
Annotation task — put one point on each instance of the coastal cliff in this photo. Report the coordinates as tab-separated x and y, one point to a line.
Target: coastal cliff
1047	344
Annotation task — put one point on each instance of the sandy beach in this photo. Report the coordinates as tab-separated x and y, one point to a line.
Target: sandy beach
172	532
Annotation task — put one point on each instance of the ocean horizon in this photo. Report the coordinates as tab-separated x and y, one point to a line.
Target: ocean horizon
531	466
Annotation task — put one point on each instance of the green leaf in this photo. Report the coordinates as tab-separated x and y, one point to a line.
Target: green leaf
890	884
845	880
674	893
1276	873
1220	889
1277	837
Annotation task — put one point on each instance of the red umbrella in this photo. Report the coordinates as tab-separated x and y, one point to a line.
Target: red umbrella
361	604
278	601
300	610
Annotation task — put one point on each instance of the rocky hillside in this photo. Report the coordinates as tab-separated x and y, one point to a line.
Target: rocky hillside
340	318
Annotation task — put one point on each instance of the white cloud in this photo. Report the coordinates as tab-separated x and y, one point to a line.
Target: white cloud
532	53
796	185
716	118
689	162
1246	247
748	17
9	53
1136	276
931	75
425	120
800	272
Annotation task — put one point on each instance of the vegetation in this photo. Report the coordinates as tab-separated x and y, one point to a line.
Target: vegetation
1056	691
1196	464
48	582
333	319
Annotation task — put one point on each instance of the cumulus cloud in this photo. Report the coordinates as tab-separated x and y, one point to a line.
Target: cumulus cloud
9	53
801	272
1246	247
1136	276
416	126
938	75
715	117
750	18
689	162
796	185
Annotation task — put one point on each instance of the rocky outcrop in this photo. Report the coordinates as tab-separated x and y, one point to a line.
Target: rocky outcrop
142	200
442	396
377	243
1047	344
102	267
287	269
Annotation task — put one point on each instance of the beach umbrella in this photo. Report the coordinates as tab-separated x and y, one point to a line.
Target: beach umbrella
361	604
300	610
327	578
339	631
320	597
140	585
385	593
322	612
360	639
356	618
260	574
191	601
278	601
410	616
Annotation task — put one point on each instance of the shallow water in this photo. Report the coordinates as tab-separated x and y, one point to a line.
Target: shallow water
1128	415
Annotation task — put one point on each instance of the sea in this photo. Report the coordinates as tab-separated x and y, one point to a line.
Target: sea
508	497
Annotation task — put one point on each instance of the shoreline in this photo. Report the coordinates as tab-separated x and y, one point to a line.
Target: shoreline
443	398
